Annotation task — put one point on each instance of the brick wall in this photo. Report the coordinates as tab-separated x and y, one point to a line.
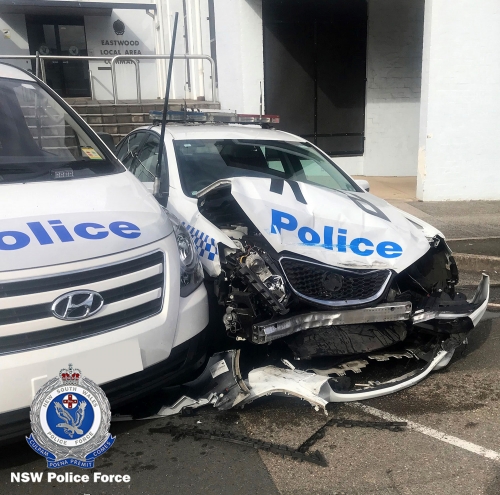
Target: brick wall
394	64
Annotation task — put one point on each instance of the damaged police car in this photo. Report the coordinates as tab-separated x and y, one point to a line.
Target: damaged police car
294	249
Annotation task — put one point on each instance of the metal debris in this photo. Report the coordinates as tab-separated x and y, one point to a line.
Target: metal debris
340	370
220	384
388	355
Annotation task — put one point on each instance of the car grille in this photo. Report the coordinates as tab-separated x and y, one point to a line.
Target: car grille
308	281
132	291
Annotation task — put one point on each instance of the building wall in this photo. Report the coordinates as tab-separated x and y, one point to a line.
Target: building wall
196	25
138	39
394	61
150	36
240	61
14	38
459	147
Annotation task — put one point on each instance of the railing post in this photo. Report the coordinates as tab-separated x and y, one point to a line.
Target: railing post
42	65
91	84
138	79
37	64
113	79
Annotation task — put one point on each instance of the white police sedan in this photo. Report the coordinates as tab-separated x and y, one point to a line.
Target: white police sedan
295	250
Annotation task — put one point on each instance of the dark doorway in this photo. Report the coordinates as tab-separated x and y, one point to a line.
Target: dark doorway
315	70
61	36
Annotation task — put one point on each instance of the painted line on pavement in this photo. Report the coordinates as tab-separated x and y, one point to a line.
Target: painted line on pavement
438	435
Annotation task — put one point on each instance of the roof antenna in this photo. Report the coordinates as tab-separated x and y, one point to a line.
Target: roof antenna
163	196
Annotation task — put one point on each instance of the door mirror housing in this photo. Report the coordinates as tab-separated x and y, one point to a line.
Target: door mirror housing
364	184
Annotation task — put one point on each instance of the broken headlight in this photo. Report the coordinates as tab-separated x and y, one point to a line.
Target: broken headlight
191	267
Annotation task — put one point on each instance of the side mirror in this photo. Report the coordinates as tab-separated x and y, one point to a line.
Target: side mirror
108	141
364	184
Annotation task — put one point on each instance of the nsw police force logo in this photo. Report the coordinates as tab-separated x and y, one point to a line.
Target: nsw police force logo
70	418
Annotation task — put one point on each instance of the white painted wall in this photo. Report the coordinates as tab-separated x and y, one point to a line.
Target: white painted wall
394	56
14	39
140	36
459	145
196	24
240	59
353	165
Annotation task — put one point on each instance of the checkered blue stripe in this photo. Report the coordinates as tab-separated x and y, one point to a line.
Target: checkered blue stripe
205	245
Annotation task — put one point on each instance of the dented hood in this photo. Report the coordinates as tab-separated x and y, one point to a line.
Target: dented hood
340	228
54	222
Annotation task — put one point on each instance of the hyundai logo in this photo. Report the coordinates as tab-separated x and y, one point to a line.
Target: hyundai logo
77	305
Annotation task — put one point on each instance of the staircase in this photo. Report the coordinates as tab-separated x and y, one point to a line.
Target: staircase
122	118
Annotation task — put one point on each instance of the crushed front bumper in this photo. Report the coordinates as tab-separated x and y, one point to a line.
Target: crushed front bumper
473	309
435	309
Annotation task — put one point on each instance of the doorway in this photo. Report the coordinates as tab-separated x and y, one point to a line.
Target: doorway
64	36
315	70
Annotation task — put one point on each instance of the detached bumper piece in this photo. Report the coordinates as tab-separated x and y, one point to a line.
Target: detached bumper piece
460	314
222	385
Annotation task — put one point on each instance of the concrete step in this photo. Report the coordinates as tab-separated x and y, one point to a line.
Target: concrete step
136	118
122	118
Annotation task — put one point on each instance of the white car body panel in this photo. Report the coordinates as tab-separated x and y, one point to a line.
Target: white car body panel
54	229
334	209
325	207
113	198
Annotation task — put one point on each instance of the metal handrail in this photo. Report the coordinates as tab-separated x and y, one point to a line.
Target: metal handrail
135	59
159	57
40	64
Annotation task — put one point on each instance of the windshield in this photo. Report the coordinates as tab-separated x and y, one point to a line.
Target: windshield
39	140
203	161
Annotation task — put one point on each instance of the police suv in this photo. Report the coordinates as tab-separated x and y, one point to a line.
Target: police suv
93	271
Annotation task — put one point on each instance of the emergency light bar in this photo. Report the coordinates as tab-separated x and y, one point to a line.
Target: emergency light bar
213	116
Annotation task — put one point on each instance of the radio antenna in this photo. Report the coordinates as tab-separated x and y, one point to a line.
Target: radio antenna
156	188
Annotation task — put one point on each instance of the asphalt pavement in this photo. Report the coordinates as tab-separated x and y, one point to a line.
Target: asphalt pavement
462	401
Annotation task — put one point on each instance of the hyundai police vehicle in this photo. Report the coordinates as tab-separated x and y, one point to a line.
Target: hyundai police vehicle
92	269
295	250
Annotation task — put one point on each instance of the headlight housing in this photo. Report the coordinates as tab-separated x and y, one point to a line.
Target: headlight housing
191	267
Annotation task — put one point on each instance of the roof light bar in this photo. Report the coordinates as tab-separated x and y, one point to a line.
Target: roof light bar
213	116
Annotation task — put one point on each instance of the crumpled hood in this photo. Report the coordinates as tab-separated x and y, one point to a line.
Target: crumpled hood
340	228
54	222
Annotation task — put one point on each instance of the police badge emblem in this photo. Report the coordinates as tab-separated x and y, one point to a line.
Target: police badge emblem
70	417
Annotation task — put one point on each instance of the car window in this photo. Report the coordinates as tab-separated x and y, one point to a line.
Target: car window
274	158
128	148
144	167
39	136
203	161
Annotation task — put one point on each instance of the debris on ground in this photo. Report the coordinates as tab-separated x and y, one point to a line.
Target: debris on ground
222	385
301	454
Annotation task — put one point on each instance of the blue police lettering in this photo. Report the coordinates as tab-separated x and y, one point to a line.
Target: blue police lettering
360	246
11	240
96	232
